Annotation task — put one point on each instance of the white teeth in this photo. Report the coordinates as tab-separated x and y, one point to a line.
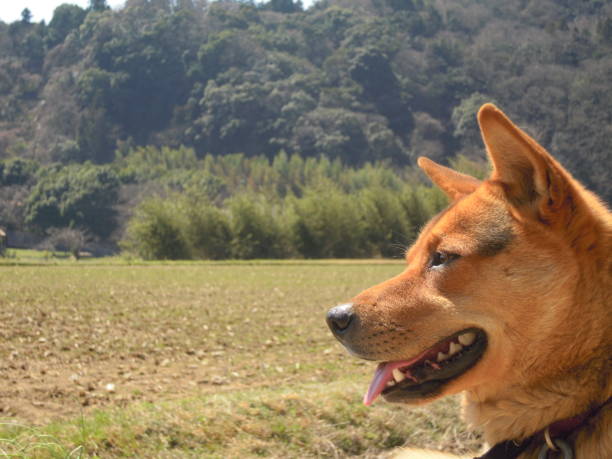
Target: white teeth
390	383
467	338
398	375
442	356
454	348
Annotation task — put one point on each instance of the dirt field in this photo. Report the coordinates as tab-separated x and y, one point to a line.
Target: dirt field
76	338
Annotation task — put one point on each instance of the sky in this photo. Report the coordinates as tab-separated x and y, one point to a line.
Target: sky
10	10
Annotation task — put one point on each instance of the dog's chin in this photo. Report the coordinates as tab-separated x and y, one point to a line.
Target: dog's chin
428	376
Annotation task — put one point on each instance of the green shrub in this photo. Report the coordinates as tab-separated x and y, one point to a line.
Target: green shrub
388	228
256	232
207	231
17	171
245	208
74	196
329	224
155	231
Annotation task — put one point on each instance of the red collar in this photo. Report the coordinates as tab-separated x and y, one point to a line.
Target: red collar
511	449
564	427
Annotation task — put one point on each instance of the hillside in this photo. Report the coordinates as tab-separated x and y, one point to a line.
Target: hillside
355	80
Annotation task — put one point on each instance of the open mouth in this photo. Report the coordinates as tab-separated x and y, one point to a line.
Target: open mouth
424	375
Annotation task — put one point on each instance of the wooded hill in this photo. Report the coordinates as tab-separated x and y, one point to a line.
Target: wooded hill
355	80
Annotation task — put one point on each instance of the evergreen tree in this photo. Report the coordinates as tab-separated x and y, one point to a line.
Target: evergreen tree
26	16
98	5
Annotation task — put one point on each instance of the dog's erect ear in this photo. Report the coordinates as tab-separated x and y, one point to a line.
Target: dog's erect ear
453	183
529	173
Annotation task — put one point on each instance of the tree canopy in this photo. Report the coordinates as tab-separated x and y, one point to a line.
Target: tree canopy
360	81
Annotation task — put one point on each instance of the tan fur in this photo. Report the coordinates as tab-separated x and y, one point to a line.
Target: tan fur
535	273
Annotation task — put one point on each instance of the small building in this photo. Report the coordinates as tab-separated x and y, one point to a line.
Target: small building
3	241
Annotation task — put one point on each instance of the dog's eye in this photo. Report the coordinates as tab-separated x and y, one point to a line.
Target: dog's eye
442	258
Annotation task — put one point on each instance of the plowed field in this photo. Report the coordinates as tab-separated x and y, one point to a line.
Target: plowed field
77	338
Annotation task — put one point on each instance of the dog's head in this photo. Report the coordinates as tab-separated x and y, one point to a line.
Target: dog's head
488	280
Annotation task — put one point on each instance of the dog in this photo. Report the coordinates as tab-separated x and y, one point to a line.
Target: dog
506	298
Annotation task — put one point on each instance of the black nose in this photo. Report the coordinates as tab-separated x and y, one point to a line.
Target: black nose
339	318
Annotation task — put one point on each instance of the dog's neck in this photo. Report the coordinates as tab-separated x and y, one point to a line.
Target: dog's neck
521	409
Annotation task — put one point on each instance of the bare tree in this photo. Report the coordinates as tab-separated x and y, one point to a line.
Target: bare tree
71	240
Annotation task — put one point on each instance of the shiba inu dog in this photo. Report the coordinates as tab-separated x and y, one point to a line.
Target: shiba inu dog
507	298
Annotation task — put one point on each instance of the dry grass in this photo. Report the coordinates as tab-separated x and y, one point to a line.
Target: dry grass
193	360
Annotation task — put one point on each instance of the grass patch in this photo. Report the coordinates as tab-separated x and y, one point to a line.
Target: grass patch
21	441
307	420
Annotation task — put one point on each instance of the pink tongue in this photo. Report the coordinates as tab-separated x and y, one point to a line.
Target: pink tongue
382	375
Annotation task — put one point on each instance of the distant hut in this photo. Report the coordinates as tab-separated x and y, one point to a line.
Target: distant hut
2	241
